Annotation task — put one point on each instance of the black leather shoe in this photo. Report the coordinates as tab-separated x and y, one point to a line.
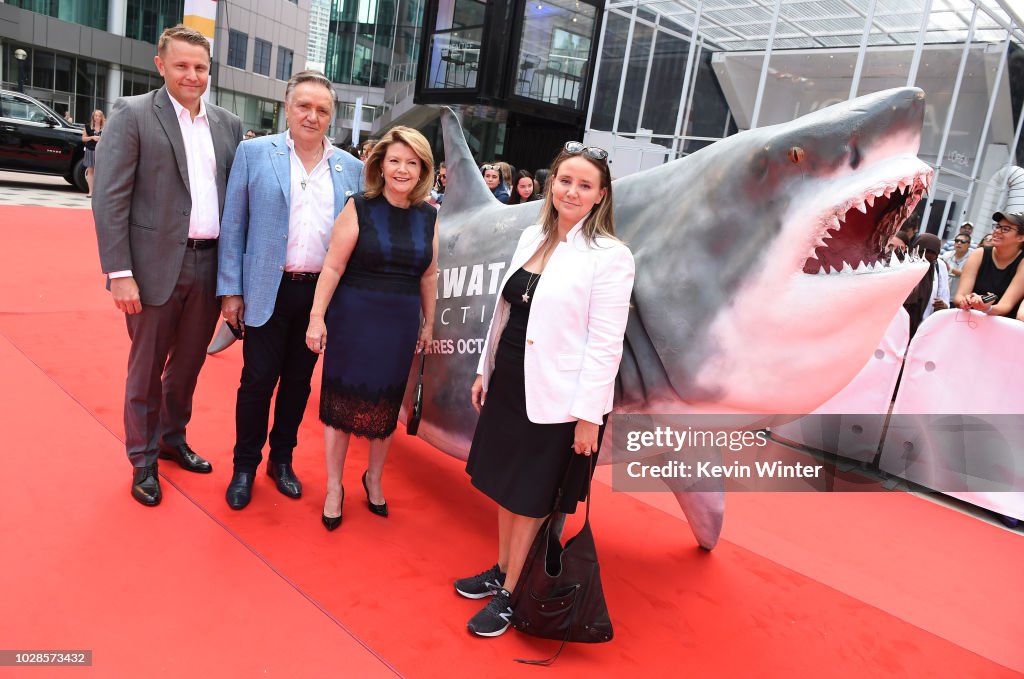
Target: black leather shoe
332	522
240	490
285	479
187	458
379	510
146	485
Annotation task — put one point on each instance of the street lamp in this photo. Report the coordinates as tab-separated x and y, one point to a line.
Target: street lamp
21	55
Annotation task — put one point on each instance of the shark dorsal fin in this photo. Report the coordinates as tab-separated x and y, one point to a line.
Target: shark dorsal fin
466	188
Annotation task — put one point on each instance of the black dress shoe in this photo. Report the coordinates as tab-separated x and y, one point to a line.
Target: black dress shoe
146	485
379	510
240	490
332	522
285	479
187	458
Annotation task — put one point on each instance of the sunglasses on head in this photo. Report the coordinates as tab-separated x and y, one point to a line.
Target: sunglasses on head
575	147
488	167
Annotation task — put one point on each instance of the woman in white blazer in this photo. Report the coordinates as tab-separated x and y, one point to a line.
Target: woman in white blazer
547	372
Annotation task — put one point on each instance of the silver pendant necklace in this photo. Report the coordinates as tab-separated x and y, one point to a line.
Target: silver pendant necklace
305	175
529	284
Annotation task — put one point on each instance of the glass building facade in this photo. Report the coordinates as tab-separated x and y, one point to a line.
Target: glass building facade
91	13
366	37
256	113
675	75
147	19
62	82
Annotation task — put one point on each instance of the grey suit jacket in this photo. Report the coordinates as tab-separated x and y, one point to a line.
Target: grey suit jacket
254	229
141	200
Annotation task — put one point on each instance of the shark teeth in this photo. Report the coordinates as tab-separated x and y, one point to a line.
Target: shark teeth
853	237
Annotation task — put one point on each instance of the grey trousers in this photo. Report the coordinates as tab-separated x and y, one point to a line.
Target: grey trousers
168	349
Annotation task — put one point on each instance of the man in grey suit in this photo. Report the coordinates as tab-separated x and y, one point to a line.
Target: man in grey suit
160	183
284	194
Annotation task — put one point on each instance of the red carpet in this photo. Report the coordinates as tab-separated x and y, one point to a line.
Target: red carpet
876	585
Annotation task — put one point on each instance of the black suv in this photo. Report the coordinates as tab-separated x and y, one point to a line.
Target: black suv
33	138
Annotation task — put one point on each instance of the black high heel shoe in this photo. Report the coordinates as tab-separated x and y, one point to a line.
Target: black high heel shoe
379	510
332	522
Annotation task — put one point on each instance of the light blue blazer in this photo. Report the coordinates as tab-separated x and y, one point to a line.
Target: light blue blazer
254	228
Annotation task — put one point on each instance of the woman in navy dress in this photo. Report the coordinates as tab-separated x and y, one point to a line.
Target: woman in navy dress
379	275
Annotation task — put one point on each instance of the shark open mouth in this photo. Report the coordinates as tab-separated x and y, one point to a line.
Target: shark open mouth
855	235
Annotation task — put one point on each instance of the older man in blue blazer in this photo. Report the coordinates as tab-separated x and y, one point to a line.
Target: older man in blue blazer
283	196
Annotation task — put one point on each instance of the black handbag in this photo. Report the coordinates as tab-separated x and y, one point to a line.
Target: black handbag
412	425
559	594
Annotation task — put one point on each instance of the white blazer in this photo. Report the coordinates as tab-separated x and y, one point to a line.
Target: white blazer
577	321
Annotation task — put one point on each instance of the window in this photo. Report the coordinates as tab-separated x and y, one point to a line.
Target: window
261	57
455	44
92	13
237	45
284	63
20	109
554	52
146	19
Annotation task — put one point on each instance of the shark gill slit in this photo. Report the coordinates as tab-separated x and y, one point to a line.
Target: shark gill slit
638	386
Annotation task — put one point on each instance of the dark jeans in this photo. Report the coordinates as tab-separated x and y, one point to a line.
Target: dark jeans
275	354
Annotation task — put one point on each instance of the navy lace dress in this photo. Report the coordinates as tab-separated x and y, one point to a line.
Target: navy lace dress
373	319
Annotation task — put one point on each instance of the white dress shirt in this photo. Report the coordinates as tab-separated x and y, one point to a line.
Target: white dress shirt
204	218
311	211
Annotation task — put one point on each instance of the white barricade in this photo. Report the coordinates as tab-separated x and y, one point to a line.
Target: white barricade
963	381
850	423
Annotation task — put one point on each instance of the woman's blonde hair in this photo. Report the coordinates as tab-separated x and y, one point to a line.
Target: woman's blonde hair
599	222
103	118
374	176
505	171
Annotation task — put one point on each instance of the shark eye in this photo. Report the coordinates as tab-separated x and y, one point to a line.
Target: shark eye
796	154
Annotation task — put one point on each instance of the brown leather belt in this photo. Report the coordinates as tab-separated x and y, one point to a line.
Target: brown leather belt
201	243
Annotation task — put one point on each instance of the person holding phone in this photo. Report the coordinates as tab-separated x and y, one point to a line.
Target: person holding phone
91	137
995	270
546	376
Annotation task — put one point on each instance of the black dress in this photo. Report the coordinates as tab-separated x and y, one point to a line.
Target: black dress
517	463
373	319
995	280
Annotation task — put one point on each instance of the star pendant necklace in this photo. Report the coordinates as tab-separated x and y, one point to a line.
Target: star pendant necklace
529	284
535	277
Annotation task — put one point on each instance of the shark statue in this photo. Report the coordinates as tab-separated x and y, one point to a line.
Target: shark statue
763	275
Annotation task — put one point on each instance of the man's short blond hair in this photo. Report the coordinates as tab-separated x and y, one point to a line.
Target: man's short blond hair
185	34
